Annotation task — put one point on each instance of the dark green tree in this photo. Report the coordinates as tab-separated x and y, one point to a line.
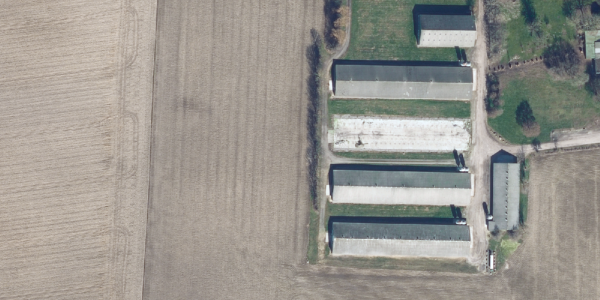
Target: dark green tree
562	58
524	114
528	11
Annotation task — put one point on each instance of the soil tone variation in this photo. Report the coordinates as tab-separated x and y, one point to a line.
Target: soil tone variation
228	210
561	248
75	99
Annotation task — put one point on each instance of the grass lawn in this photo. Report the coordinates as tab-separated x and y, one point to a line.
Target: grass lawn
421	264
366	210
504	247
555	104
409	108
313	236
523	204
369	210
384	30
520	43
386	155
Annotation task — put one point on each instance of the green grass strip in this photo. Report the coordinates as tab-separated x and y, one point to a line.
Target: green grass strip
313	236
379	155
409	108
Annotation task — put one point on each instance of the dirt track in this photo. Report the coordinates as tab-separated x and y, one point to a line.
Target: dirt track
75	92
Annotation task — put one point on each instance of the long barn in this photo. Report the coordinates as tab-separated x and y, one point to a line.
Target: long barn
394	187
505	192
389	80
392	238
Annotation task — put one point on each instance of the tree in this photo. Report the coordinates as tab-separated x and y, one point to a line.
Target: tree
492	101
524	114
562	58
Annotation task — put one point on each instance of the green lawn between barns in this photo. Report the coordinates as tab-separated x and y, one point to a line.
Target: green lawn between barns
384	30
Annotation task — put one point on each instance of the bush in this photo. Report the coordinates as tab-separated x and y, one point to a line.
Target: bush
562	58
313	56
495	31
492	101
568	8
332	14
524	114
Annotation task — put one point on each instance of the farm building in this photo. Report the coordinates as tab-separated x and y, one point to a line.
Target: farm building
505	192
387	237
399	134
393	80
364	185
446	31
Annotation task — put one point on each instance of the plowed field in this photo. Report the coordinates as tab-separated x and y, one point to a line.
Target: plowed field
75	99
560	254
229	198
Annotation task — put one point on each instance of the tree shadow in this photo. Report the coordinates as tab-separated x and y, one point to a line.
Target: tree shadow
458	54
456	158
485	209
456	212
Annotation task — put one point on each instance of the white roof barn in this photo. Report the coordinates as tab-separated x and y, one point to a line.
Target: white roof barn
394	187
446	31
393	80
388	237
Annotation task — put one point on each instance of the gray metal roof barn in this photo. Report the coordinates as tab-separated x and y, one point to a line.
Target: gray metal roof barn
387	80
395	239
505	196
446	31
401	187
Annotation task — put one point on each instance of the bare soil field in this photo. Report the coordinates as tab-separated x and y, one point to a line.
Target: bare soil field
560	252
75	99
229	204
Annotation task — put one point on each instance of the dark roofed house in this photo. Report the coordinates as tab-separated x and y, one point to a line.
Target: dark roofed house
391	238
388	80
446	31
